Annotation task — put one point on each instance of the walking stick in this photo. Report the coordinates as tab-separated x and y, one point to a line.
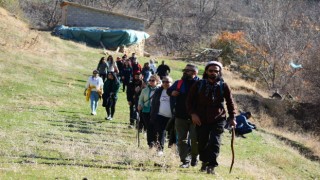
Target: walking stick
232	148
137	126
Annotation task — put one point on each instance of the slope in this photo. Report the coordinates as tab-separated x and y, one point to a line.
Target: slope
46	131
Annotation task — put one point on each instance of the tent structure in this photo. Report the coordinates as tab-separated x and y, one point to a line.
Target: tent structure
94	36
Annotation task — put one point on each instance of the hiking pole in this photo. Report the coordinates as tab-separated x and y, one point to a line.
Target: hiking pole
232	148
137	126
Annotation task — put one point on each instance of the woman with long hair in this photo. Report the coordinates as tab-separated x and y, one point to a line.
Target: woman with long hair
126	74
110	95
112	65
102	68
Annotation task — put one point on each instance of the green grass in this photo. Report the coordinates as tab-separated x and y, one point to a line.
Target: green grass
47	132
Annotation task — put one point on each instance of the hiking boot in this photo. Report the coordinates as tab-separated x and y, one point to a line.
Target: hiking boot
210	170
204	167
194	162
185	165
241	135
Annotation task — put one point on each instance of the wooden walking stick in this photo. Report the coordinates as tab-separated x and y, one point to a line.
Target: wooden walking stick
232	148
138	127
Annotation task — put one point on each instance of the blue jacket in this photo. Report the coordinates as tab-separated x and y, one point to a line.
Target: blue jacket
180	106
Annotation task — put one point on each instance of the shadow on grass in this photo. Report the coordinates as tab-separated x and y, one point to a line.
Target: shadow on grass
305	151
57	140
78	80
77	121
64	83
71	112
51	161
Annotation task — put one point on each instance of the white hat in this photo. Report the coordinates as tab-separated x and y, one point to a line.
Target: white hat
215	63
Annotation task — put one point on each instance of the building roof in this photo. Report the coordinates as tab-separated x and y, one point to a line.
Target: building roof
65	3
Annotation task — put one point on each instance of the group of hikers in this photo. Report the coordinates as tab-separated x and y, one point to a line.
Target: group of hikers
190	109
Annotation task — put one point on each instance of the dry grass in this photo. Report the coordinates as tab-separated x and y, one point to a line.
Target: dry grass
240	85
47	132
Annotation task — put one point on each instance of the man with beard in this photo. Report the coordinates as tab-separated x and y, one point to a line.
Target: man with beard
184	127
205	104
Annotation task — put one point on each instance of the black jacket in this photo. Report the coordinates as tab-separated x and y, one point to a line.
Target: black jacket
132	95
155	105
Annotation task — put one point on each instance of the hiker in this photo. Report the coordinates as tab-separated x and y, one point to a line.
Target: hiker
136	67
183	124
243	125
120	64
144	106
133	92
102	68
146	72
112	65
133	56
126	74
153	66
110	95
163	70
93	91
205	105
161	112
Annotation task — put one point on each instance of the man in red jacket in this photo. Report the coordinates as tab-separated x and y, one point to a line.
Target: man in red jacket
205	104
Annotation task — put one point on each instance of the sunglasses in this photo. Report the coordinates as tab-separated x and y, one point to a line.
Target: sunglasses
187	70
166	82
152	80
211	71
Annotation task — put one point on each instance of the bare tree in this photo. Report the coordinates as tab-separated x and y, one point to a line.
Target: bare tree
279	40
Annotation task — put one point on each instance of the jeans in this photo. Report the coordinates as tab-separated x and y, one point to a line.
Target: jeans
185	129
94	98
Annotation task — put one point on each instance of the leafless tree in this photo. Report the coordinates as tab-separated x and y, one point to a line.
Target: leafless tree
280	40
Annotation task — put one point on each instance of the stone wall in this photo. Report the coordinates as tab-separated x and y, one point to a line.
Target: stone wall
135	48
83	16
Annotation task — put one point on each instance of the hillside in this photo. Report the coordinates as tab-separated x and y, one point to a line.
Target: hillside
46	131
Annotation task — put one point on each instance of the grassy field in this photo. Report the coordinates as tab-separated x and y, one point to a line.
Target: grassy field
47	132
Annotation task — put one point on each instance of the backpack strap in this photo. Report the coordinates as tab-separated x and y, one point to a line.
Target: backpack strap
202	83
221	87
179	84
221	92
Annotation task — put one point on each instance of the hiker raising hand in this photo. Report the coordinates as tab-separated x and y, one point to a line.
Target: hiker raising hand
205	104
